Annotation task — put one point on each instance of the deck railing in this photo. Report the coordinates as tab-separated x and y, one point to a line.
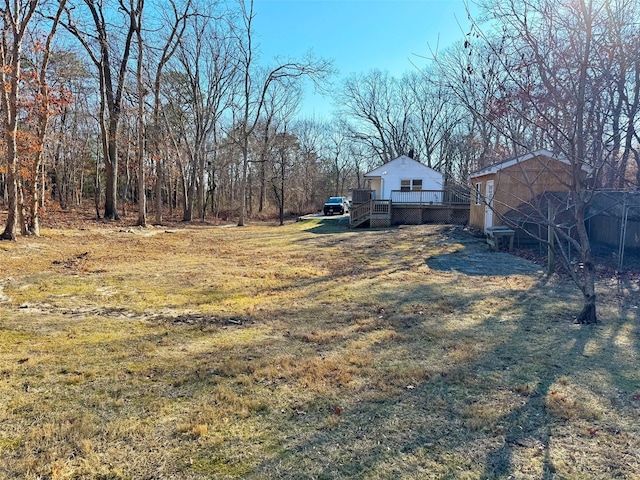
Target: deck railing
447	196
430	197
380	207
457	197
374	209
360	213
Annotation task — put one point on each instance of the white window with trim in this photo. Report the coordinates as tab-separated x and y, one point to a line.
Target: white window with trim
411	185
478	192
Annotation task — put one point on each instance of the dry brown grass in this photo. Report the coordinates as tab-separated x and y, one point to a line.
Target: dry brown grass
304	351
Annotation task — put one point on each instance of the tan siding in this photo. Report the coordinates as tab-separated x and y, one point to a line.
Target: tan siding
519	183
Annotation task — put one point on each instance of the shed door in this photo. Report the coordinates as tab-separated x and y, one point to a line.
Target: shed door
488	206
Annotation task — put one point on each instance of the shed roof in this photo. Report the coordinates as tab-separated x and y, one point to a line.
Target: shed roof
496	167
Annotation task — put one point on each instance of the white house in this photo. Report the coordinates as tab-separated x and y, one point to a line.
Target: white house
404	180
406	192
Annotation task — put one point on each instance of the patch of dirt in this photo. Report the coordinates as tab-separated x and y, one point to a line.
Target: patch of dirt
476	259
175	318
483	263
534	258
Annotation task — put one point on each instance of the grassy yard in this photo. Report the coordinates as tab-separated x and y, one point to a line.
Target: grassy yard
306	351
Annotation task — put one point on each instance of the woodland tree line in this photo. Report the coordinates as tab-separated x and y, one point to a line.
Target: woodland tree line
165	108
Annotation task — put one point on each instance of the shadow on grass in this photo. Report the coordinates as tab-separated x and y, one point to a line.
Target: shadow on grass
529	427
482	263
450	388
323	225
430	429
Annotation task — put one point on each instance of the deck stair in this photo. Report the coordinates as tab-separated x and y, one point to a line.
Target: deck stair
376	212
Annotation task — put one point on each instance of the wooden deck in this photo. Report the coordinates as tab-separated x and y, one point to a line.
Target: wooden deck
409	208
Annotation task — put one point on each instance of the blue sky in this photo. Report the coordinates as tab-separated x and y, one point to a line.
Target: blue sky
358	35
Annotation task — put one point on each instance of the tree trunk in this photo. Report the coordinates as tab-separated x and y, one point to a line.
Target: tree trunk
37	186
243	182
11	126
158	191
263	186
588	314
34	193
588	286
22	210
96	187
202	201
18	15
282	194
171	189
12	211
142	191
111	172
189	188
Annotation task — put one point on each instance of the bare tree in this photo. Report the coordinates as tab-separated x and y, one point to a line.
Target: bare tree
73	136
623	65
308	171
457	71
281	102
552	93
380	110
45	100
176	20
253	94
140	140
99	43
336	153
15	18
284	155
207	66
433	117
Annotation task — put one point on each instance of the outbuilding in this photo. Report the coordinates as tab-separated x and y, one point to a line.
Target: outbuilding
508	185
